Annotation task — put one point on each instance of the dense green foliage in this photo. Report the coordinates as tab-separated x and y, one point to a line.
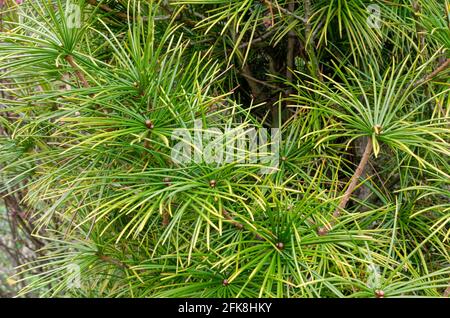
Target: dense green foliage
358	207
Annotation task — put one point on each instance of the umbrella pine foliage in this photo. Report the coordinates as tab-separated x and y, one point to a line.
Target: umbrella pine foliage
97	95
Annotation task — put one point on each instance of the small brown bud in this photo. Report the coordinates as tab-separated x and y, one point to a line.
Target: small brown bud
259	237
149	124
240	226
322	231
226	214
379	293
212	183
280	245
225	282
267	22
167	181
377	129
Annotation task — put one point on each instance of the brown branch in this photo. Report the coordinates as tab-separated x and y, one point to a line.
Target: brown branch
12	254
113	261
13	206
433	74
78	73
353	182
362	164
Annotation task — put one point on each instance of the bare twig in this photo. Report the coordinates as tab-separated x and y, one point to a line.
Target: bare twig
12	205
362	164
78	73
109	259
433	74
353	182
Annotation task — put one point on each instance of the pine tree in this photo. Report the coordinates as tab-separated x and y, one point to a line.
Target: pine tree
96	96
